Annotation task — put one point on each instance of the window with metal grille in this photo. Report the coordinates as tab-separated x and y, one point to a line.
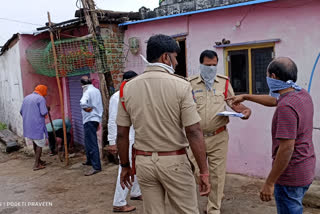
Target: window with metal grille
260	60
247	68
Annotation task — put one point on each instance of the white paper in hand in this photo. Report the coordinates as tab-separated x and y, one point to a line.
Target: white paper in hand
230	114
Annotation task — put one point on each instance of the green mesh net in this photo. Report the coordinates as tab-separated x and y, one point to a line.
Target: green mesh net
76	56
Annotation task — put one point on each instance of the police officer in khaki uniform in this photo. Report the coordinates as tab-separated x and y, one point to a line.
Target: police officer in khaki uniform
163	113
210	91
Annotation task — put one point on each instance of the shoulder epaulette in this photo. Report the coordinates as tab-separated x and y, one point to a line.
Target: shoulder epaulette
181	77
127	80
193	77
222	76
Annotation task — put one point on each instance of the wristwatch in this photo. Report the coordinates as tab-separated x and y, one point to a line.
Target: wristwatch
125	165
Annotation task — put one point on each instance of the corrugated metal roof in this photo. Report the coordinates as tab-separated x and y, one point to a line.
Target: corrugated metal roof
60	25
198	11
75	91
5	47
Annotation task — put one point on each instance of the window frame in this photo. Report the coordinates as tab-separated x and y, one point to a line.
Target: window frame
237	52
249	48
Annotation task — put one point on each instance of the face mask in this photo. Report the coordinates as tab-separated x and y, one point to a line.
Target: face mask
208	74
85	88
275	95
277	85
165	66
171	65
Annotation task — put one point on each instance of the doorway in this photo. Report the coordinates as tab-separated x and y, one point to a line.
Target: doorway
181	68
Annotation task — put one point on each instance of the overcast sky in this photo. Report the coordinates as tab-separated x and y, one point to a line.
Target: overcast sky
35	12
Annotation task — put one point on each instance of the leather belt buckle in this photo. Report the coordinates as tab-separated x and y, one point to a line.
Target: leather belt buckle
208	134
219	130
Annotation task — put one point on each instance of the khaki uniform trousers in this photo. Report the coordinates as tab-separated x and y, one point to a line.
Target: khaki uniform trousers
167	184
216	149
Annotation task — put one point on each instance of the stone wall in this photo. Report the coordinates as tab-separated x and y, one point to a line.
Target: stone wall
170	7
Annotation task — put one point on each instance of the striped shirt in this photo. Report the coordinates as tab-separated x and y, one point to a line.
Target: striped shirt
293	119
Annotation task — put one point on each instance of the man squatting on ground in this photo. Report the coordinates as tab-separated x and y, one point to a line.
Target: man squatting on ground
58	129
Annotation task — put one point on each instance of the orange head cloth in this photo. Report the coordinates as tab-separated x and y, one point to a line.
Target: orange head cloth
41	89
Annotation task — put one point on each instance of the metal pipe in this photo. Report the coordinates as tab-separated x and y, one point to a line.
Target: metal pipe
312	73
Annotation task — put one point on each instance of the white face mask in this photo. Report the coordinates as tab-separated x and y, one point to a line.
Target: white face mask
208	74
171	65
85	88
170	68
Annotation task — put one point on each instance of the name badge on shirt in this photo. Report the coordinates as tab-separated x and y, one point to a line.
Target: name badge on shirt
194	97
198	91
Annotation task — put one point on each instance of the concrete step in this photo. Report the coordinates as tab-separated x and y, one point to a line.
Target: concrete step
10	141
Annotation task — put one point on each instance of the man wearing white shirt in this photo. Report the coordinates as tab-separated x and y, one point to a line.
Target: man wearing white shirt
92	110
120	195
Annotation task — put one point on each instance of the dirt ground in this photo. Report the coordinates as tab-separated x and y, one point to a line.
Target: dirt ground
60	190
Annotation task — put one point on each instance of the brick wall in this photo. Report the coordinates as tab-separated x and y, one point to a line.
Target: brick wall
114	44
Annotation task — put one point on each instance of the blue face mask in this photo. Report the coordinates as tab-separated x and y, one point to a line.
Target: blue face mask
277	85
208	74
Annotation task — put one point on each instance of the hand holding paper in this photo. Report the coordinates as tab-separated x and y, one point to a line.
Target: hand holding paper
230	114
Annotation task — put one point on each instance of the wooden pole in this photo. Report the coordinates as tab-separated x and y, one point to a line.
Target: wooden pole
60	93
105	77
108	77
94	29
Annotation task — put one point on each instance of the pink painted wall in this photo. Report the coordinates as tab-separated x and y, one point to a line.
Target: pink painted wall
30	79
293	23
76	32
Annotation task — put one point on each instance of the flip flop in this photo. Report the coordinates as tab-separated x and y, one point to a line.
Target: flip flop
39	168
43	163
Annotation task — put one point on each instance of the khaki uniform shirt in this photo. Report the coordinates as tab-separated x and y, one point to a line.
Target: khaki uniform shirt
209	103
159	105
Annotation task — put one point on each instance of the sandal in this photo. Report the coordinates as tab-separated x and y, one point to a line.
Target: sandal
38	168
124	209
43	163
